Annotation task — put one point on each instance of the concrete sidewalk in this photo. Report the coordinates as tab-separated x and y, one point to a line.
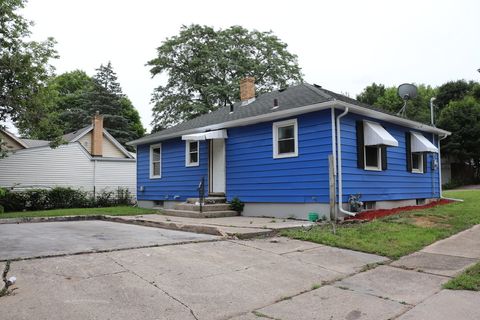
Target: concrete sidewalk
409	288
239	226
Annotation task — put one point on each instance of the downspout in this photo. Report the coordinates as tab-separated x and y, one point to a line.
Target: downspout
339	170
94	179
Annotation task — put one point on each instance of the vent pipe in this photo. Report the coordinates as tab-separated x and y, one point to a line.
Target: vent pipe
275	103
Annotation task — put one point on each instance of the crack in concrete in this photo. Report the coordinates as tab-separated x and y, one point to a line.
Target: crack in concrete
6	283
112	250
152	283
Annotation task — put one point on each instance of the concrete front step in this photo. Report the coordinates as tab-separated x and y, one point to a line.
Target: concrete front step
196	214
208	200
206	207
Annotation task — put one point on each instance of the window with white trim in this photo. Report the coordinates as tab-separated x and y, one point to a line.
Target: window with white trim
417	162
285	139
373	159
155	161
192	155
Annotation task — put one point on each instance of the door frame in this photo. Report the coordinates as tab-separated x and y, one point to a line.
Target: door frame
210	166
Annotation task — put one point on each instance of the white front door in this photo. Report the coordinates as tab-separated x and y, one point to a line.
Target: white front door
216	161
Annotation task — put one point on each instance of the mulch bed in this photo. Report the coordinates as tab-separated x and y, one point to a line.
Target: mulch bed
374	214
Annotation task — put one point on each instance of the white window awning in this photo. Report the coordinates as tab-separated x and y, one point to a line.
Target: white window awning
374	134
217	134
421	144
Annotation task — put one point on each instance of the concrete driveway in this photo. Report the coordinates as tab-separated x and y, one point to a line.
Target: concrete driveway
28	240
272	278
206	280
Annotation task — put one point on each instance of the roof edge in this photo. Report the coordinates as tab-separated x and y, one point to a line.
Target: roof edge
296	111
15	138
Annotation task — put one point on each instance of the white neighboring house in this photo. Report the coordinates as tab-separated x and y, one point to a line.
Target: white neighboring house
92	161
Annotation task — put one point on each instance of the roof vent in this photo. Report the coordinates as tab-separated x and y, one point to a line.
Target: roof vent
317	86
282	89
275	103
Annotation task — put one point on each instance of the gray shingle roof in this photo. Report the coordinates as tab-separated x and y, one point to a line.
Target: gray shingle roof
290	98
31	143
69	137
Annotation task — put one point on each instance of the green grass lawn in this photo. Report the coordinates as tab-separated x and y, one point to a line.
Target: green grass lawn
400	234
112	211
468	280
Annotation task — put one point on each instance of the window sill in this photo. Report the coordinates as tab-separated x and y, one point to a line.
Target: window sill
155	177
285	155
373	169
417	171
192	164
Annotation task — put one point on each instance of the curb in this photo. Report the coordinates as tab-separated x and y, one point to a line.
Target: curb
201	229
49	219
166	225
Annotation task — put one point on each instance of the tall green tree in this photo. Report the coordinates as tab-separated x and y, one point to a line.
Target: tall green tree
24	64
386	98
204	67
462	118
371	93
73	97
453	91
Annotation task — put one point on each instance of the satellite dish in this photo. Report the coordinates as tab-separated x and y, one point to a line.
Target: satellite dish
406	91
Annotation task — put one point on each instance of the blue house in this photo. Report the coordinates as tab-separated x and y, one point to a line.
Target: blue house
272	152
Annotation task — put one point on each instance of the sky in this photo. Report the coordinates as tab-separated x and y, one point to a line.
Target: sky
341	45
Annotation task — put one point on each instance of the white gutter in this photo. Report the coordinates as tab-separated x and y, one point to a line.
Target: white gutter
339	160
392	119
295	111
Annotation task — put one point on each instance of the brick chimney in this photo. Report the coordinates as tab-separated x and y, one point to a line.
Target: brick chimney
247	88
97	135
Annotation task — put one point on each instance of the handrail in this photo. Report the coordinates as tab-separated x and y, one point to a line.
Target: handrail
201	193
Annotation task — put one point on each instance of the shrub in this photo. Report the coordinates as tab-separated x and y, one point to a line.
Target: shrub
59	198
237	205
2	194
36	199
124	197
104	198
13	201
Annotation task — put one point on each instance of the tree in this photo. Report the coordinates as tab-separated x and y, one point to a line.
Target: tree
462	118
453	90
371	93
204	67
107	78
24	65
74	97
387	99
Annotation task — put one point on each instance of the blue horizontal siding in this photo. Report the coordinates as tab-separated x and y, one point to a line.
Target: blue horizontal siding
254	175
395	183
178	182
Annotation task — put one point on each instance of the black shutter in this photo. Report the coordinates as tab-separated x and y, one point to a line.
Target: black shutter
425	159
383	150
360	146
408	149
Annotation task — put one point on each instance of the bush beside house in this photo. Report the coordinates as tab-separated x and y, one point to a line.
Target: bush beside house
61	198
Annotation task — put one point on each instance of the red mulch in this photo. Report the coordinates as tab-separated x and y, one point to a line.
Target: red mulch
373	214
